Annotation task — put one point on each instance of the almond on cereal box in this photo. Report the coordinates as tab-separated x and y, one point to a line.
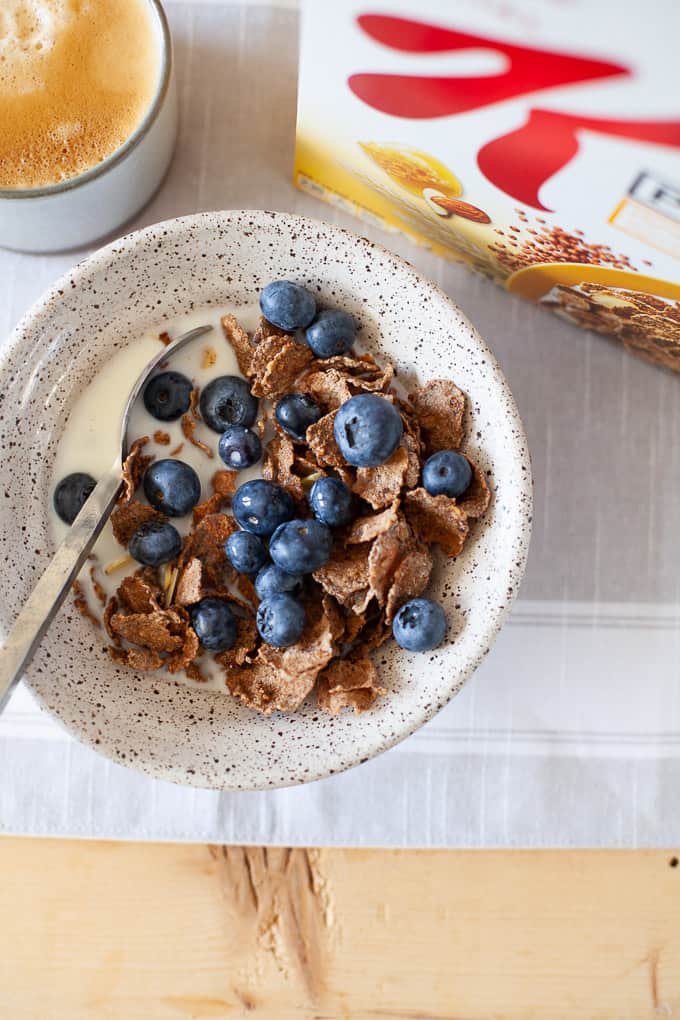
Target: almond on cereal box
539	144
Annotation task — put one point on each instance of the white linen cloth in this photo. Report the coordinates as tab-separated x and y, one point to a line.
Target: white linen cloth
569	734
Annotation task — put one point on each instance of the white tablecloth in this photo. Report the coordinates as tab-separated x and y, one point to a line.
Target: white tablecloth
569	734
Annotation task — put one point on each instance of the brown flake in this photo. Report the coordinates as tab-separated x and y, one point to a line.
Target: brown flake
276	369
437	519
277	466
164	338
321	442
329	389
475	500
225	482
412	443
264	349
157	630
380	486
345	577
211	533
189	588
348	683
265	329
134	467
97	586
439	407
139	593
255	684
410	579
240	343
162	438
189	426
185	655
279	457
127	517
361	371
143	659
176	452
194	398
212	505
82	605
387	551
371	379
206	542
365	529
413	458
110	610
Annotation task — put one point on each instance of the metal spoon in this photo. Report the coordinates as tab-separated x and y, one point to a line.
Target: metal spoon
45	600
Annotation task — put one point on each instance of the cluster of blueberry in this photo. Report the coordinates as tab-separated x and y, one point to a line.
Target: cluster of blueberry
368	429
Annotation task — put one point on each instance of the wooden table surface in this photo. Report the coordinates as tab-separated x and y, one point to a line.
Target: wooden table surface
175	932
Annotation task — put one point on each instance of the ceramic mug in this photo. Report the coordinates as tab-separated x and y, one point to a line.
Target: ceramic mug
84	208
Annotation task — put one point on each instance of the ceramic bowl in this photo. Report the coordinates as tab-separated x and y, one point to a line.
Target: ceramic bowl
205	738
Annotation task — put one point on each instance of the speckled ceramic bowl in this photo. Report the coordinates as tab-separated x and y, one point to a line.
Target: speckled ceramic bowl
205	738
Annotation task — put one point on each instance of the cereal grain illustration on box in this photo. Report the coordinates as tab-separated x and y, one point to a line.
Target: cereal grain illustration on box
538	142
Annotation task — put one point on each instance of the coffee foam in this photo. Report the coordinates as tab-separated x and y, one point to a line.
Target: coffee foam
28	32
76	78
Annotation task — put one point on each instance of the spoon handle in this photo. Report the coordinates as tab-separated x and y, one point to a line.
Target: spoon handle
44	602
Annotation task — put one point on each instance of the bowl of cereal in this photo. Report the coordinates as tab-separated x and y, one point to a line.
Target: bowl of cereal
327	505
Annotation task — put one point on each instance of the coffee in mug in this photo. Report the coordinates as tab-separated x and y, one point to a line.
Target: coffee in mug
85	86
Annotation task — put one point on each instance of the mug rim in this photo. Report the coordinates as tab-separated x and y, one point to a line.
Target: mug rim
131	142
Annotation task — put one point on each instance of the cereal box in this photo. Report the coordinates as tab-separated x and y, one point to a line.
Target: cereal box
536	141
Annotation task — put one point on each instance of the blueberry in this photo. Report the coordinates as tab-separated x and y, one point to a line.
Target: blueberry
287	305
260	506
300	547
296	412
155	542
273	581
246	553
71	494
227	401
419	625
447	473
280	620
368	430
172	487
214	623
239	448
332	332
168	396
332	502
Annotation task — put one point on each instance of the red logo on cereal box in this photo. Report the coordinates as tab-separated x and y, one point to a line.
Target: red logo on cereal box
521	161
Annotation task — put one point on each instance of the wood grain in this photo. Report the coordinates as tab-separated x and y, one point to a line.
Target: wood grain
174	932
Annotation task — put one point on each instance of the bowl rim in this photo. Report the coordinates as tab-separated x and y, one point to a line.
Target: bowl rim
127	243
